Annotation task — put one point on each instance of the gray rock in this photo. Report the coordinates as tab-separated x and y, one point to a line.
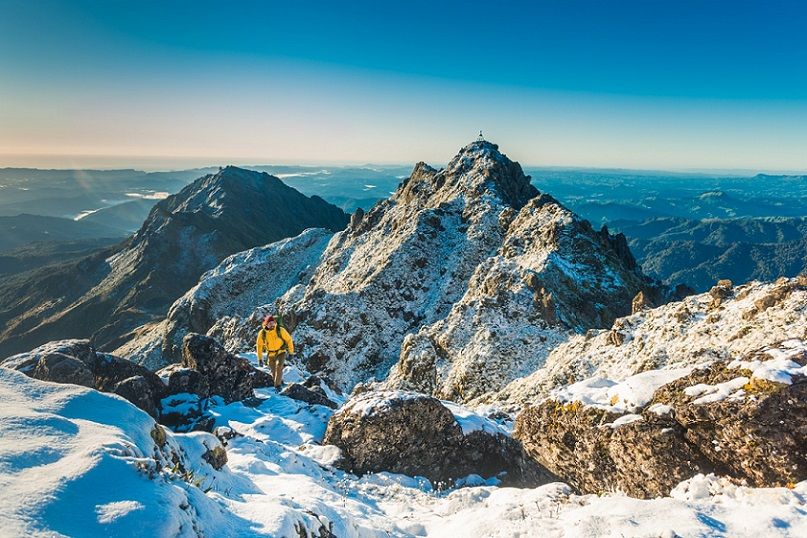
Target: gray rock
185	380
61	368
314	396
414	434
77	362
142	392
228	376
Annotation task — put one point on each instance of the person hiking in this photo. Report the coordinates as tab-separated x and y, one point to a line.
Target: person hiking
277	343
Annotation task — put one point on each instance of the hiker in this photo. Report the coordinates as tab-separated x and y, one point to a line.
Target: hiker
277	343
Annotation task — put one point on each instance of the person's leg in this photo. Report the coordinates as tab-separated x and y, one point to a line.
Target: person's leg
270	361
280	362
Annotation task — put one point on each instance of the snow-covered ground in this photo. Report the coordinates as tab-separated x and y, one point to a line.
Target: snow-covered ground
76	462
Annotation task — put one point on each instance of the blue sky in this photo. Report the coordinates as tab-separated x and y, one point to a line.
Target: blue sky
646	84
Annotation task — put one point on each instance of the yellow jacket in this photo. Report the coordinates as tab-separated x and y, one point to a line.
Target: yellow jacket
269	342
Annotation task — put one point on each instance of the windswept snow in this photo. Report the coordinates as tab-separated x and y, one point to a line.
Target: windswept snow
631	394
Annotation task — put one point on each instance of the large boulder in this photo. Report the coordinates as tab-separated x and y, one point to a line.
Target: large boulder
592	450
233	378
746	419
141	391
61	368
415	434
749	416
184	380
76	362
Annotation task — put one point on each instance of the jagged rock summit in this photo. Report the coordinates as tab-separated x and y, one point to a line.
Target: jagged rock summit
105	297
461	267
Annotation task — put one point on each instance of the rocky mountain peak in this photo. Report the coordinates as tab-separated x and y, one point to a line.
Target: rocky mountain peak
462	267
478	169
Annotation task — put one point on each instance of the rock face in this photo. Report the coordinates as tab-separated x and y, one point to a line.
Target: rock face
77	362
726	323
228	293
645	458
225	375
107	296
415	434
757	433
746	419
467	276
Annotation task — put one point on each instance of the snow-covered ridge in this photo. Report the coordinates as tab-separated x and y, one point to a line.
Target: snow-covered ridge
231	290
724	324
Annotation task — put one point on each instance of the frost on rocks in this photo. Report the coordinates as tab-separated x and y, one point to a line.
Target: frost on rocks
648	432
76	462
466	275
231	291
693	332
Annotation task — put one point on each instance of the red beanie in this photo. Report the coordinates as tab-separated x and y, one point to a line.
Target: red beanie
268	319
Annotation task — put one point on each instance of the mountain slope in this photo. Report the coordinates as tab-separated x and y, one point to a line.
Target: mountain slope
233	288
105	296
44	253
723	324
23	230
438	253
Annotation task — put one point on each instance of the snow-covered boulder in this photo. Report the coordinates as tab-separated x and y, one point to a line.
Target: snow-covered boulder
77	362
415	434
746	419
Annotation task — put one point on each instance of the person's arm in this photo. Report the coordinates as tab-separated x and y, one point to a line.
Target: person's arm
287	338
259	347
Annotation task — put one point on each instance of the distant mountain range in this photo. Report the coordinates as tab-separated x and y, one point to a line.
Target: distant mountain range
700	253
626	200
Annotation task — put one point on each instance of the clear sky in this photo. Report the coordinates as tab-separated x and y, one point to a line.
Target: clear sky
673	84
